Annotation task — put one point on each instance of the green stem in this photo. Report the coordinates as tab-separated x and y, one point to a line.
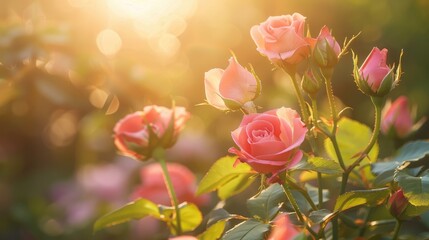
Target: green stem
319	175
334	117
299	96
159	155
377	102
397	228
302	191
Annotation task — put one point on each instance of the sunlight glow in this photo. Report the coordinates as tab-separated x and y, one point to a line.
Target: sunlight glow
109	42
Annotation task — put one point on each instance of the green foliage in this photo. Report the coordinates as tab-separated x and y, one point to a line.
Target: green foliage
226	177
247	230
413	152
319	164
190	217
213	232
266	205
416	189
360	197
352	138
319	216
132	211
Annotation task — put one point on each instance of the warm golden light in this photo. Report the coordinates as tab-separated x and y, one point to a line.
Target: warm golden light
109	42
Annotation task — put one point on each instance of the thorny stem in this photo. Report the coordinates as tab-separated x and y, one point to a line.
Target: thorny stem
319	175
302	191
159	155
377	102
299	96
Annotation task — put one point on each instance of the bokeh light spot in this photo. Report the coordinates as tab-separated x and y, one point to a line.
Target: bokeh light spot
109	42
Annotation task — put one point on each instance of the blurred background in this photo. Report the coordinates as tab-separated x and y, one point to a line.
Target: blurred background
70	69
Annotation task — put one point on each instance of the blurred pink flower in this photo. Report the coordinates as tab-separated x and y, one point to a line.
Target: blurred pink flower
283	229
154	189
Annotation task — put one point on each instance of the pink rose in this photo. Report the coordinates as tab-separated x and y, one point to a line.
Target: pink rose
397	116
269	141
283	229
281	38
154	189
232	88
139	133
375	70
326	50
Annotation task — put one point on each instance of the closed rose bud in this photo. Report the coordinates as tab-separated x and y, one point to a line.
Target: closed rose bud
326	50
397	204
310	84
232	88
138	134
281	39
375	77
397	117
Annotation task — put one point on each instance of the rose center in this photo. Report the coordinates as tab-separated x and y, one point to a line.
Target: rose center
262	135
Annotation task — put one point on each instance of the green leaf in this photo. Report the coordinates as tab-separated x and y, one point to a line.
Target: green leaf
236	185
214	232
413	211
132	211
416	189
266	204
247	230
318	216
190	217
356	198
222	172
352	138
320	165
410	152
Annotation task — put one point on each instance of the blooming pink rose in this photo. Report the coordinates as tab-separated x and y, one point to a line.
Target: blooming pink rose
397	116
283	229
154	189
269	141
230	88
326	50
281	38
374	70
139	133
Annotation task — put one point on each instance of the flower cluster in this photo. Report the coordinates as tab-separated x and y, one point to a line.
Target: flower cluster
281	145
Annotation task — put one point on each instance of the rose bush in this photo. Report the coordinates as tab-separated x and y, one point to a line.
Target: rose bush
232	88
281	38
269	141
139	133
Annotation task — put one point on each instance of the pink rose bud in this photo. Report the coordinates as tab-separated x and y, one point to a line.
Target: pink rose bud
232	88
397	204
283	229
281	39
269	141
326	50
154	189
139	133
397	118
374	77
